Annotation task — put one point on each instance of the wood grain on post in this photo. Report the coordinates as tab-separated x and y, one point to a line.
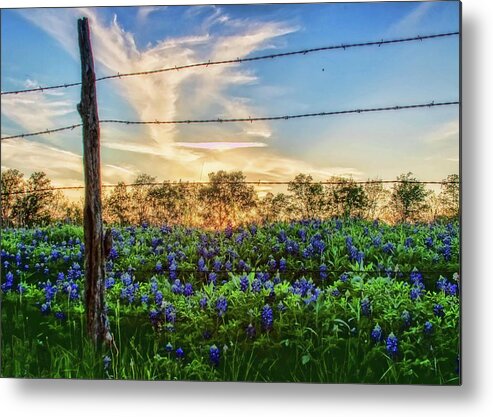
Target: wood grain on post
97	323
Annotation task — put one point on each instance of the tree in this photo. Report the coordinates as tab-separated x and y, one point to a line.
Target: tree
273	207
12	185
140	198
449	196
376	196
119	205
346	197
226	199
34	207
408	198
308	198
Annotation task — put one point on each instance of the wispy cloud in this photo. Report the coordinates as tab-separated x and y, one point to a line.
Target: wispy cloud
445	132
409	23
220	146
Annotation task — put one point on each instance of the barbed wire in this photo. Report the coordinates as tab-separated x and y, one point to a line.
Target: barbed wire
242	60
242	119
42	132
257	183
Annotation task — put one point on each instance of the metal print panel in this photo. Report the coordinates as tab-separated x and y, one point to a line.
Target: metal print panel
263	192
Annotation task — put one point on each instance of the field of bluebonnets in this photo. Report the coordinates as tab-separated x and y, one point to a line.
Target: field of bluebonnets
309	301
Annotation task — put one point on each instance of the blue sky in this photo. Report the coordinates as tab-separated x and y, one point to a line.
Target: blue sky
39	47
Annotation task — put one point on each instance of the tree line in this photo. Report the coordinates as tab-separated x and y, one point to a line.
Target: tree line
227	199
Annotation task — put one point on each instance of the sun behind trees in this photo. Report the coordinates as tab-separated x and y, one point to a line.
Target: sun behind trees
228	199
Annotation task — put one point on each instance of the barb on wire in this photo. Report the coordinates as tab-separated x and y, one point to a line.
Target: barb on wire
257	183
210	63
42	132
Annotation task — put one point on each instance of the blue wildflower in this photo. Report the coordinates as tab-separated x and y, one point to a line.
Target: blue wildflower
428	328
214	355
180	353
406	318
376	334
250	331
244	283
392	345
221	305
438	310
267	317
365	306
106	362
203	302
188	290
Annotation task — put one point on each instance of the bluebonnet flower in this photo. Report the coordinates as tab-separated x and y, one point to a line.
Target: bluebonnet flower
302	287
281	307
214	355
177	288
415	293
451	289
438	310
250	331
144	299
180	353
428	328
113	254
217	265
392	345
376	334
323	271
416	277
159	267
388	247
221	305
21	288
282	264
409	242
154	316
344	277
406	318
272	264
256	285
365	306
203	302
336	293
158	298
106	362
9	282
429	242
126	279
201	265
60	316
267	317
109	283
446	251
168	347
212	278
188	290
49	291
45	308
154	285
377	241
228	266
170	313
244	283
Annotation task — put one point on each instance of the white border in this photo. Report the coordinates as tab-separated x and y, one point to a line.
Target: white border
118	398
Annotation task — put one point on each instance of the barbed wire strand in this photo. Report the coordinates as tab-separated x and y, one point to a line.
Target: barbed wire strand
242	60
257	183
243	119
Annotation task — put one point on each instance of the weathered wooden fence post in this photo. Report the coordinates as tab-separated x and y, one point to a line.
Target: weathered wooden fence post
97	323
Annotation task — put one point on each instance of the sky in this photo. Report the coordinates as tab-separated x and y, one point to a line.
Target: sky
39	48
